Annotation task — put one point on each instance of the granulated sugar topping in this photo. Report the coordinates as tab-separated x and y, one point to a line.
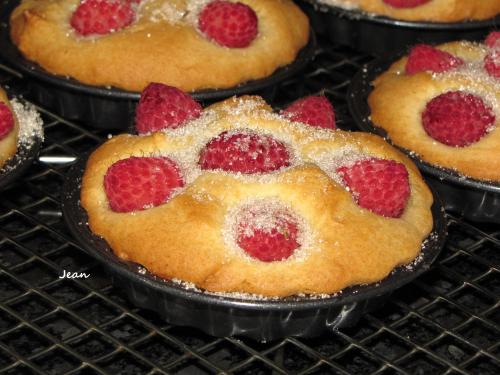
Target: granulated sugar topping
262	218
160	11
329	162
265	215
475	77
173	12
30	123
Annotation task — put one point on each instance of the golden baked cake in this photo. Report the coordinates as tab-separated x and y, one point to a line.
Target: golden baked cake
190	44
9	129
443	104
424	10
238	198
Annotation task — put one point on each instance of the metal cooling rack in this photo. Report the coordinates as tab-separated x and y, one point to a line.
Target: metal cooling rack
447	322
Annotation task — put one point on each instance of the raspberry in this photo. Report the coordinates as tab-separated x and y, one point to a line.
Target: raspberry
102	16
312	110
6	120
493	39
244	153
457	119
378	185
163	106
492	63
268	236
405	3
138	183
233	25
423	57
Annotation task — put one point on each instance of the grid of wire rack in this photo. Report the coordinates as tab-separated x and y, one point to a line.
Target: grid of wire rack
446	322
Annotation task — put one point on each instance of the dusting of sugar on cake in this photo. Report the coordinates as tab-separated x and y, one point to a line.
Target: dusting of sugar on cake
414	263
242	116
185	13
478	81
243	144
163	11
192	127
330	161
265	219
197	133
30	123
250	296
432	238
194	7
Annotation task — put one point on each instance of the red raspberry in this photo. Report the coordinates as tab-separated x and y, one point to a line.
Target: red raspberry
138	183
233	25
164	107
6	120
405	3
312	110
102	16
378	185
244	153
493	39
423	57
457	119
492	63
268	236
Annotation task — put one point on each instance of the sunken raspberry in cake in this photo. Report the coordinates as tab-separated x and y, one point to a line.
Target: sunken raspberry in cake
190	44
424	10
443	103
237	197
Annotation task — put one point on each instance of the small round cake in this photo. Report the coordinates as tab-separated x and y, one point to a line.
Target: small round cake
190	44
424	10
443	103
238	198
9	129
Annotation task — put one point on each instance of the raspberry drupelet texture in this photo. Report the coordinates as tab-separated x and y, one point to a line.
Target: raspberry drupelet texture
312	110
423	58
102	16
268	235
379	185
493	39
164	107
138	183
492	62
457	119
244	152
233	25
6	120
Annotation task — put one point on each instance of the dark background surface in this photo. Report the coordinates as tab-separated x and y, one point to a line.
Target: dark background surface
446	322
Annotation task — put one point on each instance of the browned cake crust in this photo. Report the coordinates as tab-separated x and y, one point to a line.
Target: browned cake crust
435	10
8	145
398	100
187	238
157	47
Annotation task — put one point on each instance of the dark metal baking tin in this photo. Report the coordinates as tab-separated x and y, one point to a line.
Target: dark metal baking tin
19	163
262	320
379	35
473	199
113	108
